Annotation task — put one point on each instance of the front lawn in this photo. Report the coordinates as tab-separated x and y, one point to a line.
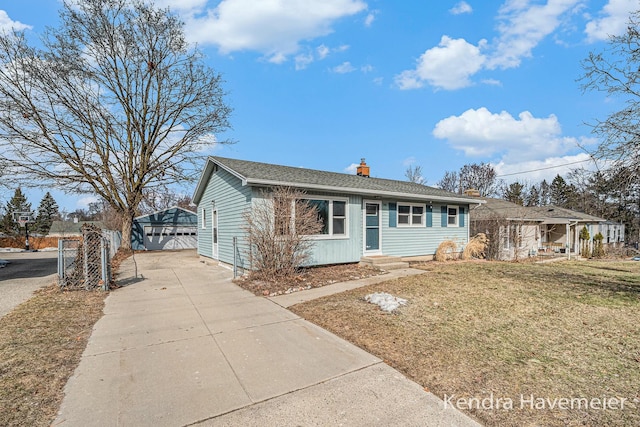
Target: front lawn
554	342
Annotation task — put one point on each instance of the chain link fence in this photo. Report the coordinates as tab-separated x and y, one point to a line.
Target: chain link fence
85	263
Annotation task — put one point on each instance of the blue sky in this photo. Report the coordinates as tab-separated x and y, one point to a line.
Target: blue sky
321	84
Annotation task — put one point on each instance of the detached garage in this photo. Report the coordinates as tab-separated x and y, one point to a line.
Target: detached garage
169	229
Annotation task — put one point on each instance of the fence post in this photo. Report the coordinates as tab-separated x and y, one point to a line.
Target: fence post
104	263
60	262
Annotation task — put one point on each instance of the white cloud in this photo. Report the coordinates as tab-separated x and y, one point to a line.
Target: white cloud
84	202
182	5
366	68
483	133
460	8
523	26
343	68
537	170
352	168
303	60
371	16
447	66
378	81
612	21
7	24
274	28
492	82
409	161
322	51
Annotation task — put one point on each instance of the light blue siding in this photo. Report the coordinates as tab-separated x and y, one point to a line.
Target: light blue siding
231	199
335	250
341	250
414	241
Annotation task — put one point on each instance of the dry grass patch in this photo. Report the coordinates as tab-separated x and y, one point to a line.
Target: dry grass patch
476	329
447	250
41	342
307	278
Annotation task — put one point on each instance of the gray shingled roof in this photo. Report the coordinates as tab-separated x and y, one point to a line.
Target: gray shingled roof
505	209
256	173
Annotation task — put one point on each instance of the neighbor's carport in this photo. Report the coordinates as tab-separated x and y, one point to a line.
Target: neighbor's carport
173	228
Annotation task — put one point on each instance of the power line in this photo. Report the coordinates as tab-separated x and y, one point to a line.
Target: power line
542	169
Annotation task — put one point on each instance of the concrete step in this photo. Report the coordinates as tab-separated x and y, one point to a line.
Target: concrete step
393	265
384	262
379	259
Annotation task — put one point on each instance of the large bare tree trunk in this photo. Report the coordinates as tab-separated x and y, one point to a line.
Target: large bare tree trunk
127	224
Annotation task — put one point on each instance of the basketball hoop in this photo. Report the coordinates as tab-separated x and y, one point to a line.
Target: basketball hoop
24	219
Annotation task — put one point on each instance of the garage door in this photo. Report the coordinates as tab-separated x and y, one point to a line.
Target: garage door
167	238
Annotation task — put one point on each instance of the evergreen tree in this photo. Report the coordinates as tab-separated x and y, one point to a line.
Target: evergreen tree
18	203
559	191
545	193
533	198
47	213
514	193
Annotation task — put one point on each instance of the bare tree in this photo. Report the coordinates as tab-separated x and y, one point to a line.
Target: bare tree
481	177
115	102
162	197
414	174
450	182
616	71
476	176
278	228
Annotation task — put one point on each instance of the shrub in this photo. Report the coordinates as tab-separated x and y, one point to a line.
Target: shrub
598	248
278	227
584	238
446	250
477	247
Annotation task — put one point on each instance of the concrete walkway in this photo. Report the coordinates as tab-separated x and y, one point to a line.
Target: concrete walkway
185	346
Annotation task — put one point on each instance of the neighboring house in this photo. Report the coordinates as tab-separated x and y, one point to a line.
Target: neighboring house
517	231
168	229
365	216
70	228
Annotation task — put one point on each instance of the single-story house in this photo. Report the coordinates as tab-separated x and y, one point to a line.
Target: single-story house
364	216
168	229
519	231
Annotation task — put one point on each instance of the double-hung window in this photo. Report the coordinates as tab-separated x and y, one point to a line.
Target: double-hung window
452	216
333	214
411	215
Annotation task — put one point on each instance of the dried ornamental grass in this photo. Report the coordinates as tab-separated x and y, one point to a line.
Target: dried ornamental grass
446	250
477	247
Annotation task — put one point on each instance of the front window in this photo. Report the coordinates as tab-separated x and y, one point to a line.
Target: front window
410	215
333	214
452	216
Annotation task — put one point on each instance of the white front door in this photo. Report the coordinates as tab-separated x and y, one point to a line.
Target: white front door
214	237
372	227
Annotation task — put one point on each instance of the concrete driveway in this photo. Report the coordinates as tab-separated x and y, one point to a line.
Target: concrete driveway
182	345
25	273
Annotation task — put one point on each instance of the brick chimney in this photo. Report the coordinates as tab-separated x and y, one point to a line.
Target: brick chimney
363	169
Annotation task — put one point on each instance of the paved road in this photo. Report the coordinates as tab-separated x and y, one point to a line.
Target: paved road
25	273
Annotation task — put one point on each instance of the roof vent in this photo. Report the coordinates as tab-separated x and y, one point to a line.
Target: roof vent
363	169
